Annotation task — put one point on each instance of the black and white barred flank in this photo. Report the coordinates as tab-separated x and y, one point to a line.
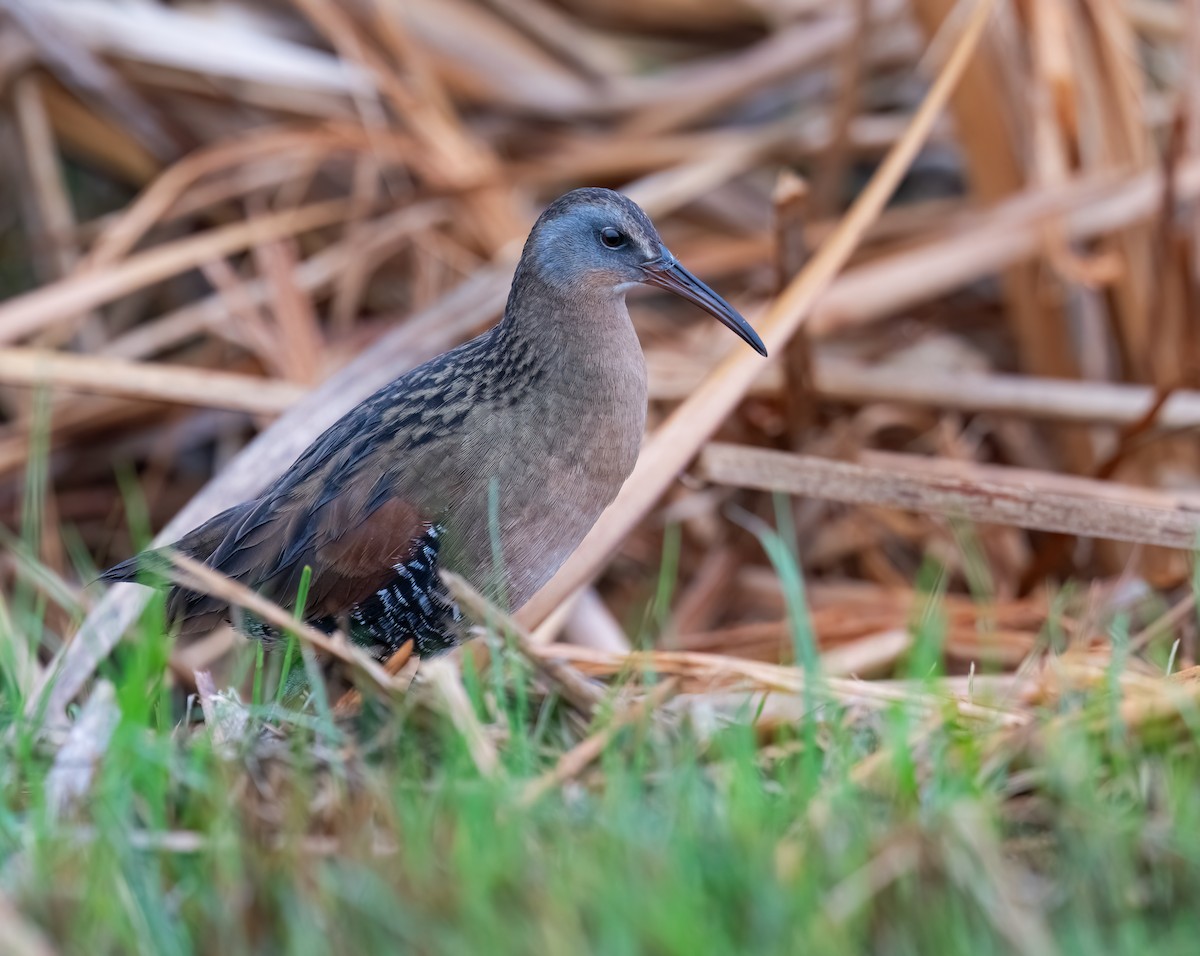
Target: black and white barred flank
413	605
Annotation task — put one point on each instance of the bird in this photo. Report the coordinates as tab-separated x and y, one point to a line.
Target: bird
492	460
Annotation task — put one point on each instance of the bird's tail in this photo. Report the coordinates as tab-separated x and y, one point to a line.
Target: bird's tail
153	565
145	568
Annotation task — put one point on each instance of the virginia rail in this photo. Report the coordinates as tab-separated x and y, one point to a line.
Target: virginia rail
492	460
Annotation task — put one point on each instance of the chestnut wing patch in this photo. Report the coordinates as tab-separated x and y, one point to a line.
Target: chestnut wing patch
411	605
352	544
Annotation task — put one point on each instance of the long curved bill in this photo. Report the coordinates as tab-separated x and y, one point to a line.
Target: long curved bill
667	273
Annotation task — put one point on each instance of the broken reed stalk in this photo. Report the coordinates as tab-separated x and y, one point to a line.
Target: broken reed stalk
991	494
723	670
148	381
681	436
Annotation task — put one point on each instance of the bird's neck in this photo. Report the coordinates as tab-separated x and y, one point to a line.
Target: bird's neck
577	333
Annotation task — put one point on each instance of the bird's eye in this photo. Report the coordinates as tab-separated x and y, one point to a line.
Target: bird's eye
612	237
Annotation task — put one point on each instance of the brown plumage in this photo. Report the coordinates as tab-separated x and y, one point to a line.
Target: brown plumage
493	459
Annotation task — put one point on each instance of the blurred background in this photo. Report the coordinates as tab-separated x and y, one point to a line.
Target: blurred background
211	207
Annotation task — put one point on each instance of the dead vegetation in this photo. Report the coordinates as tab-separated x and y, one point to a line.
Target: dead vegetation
967	232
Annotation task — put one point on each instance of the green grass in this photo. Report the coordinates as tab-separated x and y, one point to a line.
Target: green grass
1083	837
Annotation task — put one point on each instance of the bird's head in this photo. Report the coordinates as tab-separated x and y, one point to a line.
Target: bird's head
598	242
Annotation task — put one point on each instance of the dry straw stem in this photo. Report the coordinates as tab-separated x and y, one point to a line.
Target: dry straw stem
705	671
77	759
200	577
673	378
676	98
107	146
351	701
265	68
992	494
1010	232
446	679
178	191
65	300
682	435
70	59
1172	703
48	190
1047	399
900	856
371	244
21	936
179	384
980	111
867	656
591	622
578	758
454	158
576	688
